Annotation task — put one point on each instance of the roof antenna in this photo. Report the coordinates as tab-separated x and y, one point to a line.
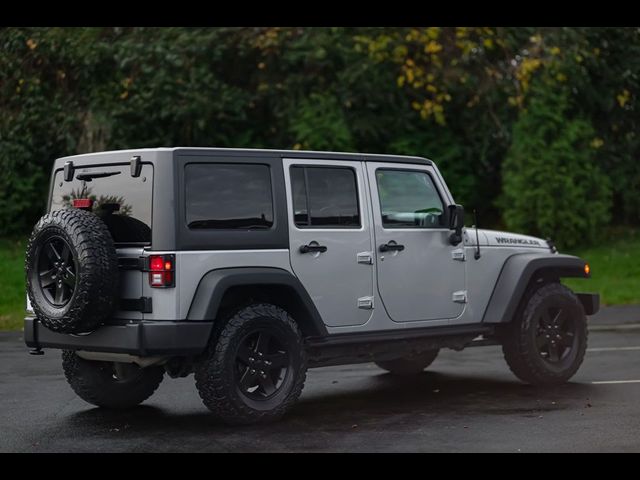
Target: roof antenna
476	255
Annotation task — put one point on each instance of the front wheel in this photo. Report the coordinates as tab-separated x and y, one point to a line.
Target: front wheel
255	367
545	344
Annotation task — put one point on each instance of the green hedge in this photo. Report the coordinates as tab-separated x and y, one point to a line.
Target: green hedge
465	97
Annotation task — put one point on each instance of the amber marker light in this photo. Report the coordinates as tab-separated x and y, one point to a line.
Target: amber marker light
587	269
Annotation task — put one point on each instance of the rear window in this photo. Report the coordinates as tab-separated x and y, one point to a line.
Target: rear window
228	196
122	201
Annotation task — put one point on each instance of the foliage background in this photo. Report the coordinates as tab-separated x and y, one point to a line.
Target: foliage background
534	127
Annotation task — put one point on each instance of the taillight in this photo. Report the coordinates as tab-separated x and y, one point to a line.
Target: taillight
82	203
162	271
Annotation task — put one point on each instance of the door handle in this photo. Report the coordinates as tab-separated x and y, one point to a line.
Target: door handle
391	247
313	248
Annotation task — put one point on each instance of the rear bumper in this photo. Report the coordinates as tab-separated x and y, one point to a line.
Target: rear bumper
590	302
136	338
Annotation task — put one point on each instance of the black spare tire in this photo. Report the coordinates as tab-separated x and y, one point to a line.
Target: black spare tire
72	271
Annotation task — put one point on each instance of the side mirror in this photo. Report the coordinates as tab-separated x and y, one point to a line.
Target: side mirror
456	223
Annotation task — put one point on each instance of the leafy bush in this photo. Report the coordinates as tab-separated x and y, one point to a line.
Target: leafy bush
553	185
453	94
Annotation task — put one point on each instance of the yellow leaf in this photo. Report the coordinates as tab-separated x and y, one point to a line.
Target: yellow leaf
432	47
32	44
410	76
623	97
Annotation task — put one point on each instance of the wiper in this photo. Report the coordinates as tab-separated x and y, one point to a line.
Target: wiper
87	177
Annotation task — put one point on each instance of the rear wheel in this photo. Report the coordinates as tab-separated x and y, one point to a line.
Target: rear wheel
255	367
110	384
545	344
411	365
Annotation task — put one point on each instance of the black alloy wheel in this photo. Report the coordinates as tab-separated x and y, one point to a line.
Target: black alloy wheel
546	342
72	274
556	334
255	366
57	271
263	363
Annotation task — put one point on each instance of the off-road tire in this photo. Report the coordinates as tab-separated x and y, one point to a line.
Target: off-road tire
519	344
411	365
217	374
95	383
93	253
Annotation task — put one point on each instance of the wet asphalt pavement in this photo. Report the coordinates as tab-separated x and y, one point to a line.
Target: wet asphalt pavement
466	401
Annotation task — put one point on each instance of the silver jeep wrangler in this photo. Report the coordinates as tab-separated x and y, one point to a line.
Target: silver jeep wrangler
246	267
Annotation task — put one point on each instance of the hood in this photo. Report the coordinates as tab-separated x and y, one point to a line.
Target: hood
494	238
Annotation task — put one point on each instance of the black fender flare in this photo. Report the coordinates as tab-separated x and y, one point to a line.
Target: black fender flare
215	283
517	272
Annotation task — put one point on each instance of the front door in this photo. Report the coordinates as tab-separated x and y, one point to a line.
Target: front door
421	276
330	238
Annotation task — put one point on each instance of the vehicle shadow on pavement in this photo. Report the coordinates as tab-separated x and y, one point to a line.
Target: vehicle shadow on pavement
432	393
376	401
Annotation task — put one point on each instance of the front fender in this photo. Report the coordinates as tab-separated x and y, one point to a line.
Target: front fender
517	272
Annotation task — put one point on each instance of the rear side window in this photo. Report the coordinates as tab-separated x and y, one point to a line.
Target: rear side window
228	196
122	201
325	197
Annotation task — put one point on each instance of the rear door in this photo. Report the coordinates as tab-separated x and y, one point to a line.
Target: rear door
330	238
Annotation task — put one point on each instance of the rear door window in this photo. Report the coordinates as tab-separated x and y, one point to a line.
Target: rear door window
325	197
122	201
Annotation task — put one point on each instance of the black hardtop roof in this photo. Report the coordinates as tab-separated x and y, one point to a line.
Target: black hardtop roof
99	157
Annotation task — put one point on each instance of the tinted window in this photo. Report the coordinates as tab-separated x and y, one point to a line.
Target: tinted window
325	197
228	196
122	201
408	199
